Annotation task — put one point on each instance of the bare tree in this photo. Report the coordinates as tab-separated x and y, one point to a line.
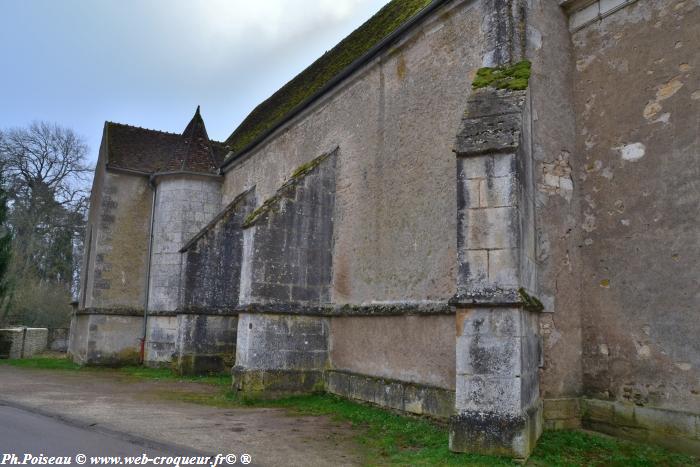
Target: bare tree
46	159
47	181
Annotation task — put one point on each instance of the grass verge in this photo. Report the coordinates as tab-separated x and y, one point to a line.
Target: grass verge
388	438
63	363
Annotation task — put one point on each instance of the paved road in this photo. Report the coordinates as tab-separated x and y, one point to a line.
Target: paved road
24	432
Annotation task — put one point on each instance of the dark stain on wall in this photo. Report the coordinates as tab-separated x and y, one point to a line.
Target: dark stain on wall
292	258
214	258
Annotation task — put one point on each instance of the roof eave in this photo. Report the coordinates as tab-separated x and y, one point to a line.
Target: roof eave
340	77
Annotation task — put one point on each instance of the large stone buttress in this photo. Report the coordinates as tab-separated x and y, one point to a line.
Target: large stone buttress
497	402
283	342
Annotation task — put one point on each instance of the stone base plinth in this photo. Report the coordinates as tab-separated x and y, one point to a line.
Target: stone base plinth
496	434
112	338
206	343
271	384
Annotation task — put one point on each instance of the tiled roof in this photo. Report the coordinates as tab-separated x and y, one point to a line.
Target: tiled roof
272	111
154	151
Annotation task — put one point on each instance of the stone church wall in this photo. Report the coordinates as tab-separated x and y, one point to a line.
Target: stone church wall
207	319
184	204
394	232
562	267
394	123
118	250
637	98
556	253
108	327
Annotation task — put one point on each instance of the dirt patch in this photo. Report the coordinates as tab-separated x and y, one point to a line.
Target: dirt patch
156	410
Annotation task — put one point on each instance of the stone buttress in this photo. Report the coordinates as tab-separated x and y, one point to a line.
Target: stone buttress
497	402
282	344
207	319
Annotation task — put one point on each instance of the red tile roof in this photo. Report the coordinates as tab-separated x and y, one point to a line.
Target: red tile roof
152	151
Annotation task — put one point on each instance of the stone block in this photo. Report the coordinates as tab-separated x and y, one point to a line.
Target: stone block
504	267
502	165
489	134
497	192
112	339
271	384
672	429
497	322
494	434
598	411
564	424
499	395
472	192
399	395
488	356
424	400
282	342
669	422
491	228
206	343
488	102
161	334
473	167
474	266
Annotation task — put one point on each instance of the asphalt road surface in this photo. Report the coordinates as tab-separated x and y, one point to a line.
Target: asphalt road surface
25	432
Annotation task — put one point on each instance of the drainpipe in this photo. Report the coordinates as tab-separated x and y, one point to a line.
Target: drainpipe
151	182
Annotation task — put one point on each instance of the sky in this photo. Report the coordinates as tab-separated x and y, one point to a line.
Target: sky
149	63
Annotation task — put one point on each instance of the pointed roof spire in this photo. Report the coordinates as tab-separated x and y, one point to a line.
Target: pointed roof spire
196	153
197	123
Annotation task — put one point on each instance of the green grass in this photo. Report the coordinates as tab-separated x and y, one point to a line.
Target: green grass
577	448
44	363
388	438
62	363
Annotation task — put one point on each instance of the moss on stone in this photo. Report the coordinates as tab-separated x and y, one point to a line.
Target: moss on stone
514	77
266	115
271	203
530	302
256	385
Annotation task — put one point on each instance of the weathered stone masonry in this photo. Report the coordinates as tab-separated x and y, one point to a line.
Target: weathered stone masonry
498	347
287	268
488	216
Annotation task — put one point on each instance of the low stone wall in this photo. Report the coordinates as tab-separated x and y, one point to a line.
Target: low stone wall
22	342
393	394
562	414
679	431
